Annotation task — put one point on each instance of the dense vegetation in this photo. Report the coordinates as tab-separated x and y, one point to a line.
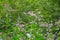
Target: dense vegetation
29	19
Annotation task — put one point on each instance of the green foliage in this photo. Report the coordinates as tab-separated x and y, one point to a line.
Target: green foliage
29	19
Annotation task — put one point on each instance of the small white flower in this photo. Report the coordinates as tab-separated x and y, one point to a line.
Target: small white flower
39	12
24	12
22	25
31	13
28	35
